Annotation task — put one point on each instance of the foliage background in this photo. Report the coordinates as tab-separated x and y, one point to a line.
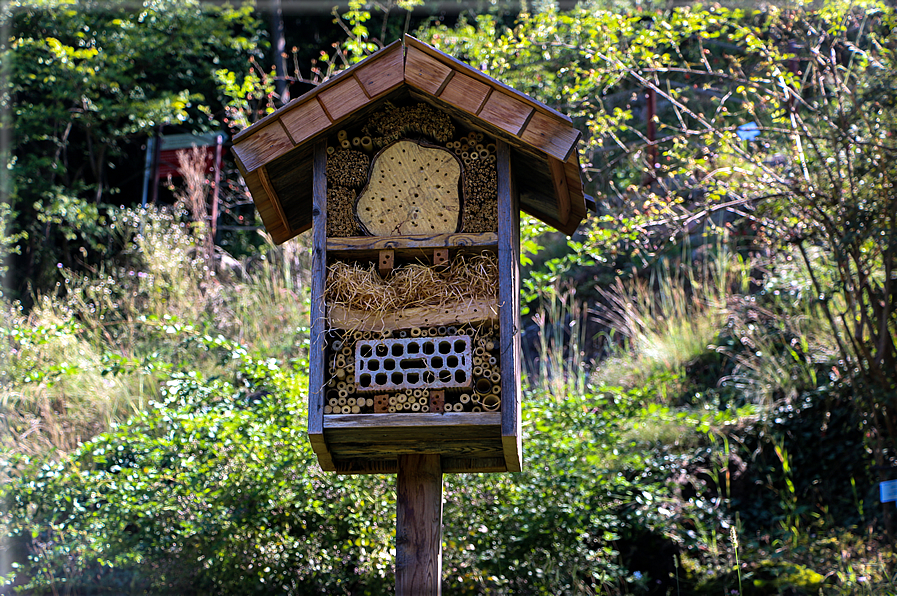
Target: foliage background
710	360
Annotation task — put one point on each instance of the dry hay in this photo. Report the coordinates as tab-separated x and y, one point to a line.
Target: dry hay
340	213
392	123
358	287
347	168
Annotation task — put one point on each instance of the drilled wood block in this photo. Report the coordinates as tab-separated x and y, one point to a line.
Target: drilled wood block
437	401
413	189
552	136
343	98
505	112
264	145
440	256
305	120
465	92
385	261
381	404
424	72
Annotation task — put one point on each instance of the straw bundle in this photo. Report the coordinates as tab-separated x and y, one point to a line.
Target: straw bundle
392	123
481	197
347	168
358	287
340	215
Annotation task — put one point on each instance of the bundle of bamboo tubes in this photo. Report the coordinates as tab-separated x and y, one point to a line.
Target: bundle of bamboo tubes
480	198
347	168
341	221
392	123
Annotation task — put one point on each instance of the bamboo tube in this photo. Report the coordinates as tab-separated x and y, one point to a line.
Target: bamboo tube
493	360
483	385
343	397
451	330
357	335
403	397
391	409
491	402
346	410
331	383
337	345
425	393
341	400
332	402
459	407
496	378
393	400
417	393
479	351
465	155
356	410
356	142
490	346
415	332
415	407
425	408
328	409
465	398
341	385
331	150
345	144
367	144
340	373
369	402
476	409
341	135
478	371
350	401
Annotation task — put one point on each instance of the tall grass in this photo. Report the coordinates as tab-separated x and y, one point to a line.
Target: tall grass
95	352
562	366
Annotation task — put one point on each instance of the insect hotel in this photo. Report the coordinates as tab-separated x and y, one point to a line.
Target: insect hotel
412	168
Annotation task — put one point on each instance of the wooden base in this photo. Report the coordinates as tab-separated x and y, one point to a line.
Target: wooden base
419	526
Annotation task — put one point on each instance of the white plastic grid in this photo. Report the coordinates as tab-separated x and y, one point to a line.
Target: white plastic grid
418	362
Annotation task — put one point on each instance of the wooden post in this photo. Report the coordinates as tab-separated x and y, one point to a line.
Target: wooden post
419	526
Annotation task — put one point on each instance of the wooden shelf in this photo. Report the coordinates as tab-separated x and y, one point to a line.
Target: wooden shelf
413	245
456	419
453	313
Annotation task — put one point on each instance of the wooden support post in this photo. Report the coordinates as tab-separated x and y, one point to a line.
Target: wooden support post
419	526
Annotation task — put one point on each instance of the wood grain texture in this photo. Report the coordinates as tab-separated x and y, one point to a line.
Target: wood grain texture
305	120
547	134
319	446
419	526
383	73
505	112
509	308
364	447
461	67
471	311
450	465
270	217
561	192
411	245
411	420
413	189
275	200
424	72
316	358
343	98
265	144
465	92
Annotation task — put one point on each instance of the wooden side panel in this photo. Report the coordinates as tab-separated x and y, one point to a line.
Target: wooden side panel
574	184
553	137
561	192
343	98
505	112
383	73
424	72
264	145
509	309
465	92
318	278
270	217
305	120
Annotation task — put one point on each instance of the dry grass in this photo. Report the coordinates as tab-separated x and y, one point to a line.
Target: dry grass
360	287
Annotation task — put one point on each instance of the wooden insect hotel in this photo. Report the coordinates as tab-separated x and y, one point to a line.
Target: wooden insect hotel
412	168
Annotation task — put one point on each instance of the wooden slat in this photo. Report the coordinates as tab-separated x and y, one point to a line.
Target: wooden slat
385	73
274	224
462	465
344	98
305	120
461	67
428	316
547	134
465	93
505	112
316	358
561	192
411	241
367	466
509	308
574	184
333	422
424	72
275	200
365	447
264	145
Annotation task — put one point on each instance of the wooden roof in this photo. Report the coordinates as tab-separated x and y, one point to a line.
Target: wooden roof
275	154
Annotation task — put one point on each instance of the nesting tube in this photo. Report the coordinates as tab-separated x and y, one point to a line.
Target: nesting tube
490	147
415	407
465	398
342	135
366	144
331	150
483	385
415	332
491	402
328	409
496	378
476	409
341	400
345	144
